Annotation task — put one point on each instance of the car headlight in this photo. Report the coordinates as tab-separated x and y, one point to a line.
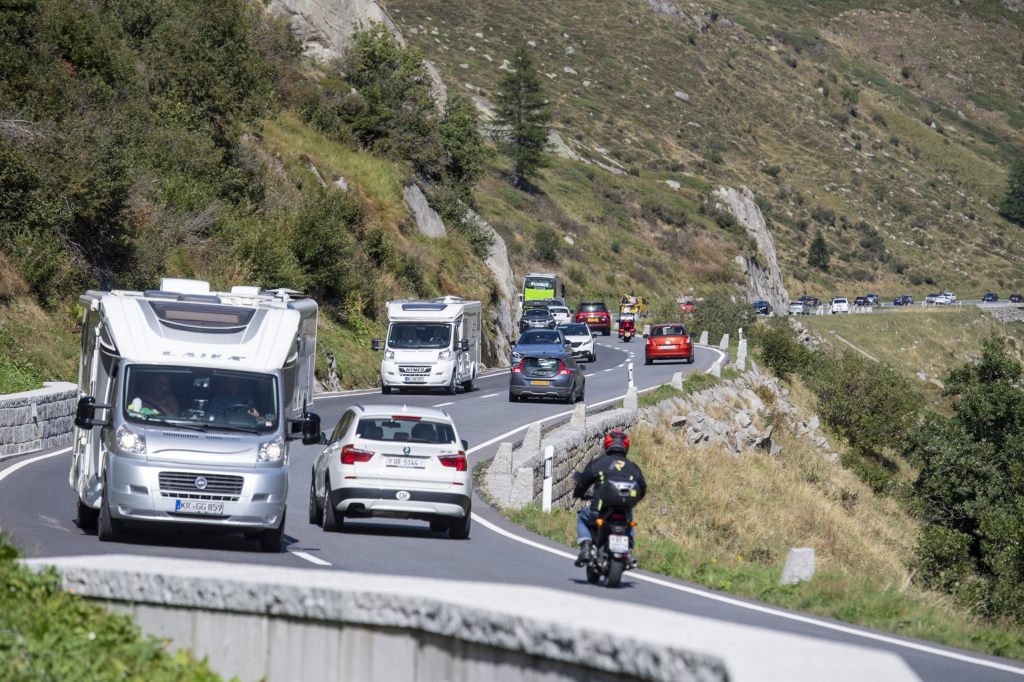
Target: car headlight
444	355
130	442
389	355
271	451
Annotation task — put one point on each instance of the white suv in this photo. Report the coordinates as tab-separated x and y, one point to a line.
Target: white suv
396	462
840	305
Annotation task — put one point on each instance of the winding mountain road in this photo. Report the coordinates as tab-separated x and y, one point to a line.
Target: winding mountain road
37	509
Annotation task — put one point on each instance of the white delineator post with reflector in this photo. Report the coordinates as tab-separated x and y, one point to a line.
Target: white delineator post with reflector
629	374
549	454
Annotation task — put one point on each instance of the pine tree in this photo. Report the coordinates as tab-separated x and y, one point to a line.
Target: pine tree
1012	207
522	114
817	255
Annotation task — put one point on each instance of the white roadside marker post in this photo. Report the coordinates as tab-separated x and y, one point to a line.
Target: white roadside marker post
549	453
629	373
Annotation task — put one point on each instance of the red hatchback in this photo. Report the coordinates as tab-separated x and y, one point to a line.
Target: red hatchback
596	315
668	342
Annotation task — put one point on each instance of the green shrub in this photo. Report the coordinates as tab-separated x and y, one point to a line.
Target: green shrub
719	314
546	245
780	350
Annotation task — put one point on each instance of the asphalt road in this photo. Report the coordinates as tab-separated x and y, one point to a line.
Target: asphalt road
37	509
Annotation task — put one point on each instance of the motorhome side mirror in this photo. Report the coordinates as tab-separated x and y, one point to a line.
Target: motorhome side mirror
464	345
311	429
377	344
465	444
85	415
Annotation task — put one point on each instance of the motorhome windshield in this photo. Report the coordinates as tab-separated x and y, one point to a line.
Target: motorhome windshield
406	335
199	396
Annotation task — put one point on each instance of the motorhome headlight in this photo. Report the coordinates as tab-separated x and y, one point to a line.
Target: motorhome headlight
444	355
130	442
271	451
389	355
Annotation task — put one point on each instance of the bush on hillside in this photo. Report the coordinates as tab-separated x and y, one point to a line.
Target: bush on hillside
546	245
720	314
1012	206
780	350
971	485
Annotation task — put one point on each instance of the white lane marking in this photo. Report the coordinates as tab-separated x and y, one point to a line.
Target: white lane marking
374	391
608	370
807	620
489	395
590	375
311	559
20	465
444	404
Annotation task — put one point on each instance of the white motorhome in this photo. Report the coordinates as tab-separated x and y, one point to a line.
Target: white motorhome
431	344
188	400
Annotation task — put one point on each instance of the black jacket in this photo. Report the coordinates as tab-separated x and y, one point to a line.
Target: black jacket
609	468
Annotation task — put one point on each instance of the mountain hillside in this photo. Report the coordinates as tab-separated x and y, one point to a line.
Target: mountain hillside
889	127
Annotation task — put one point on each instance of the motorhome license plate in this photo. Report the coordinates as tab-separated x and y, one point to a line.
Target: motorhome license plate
199	507
618	543
405	462
538	382
415	380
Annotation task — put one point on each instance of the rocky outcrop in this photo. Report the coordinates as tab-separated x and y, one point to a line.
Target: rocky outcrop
325	28
428	222
762	269
503	311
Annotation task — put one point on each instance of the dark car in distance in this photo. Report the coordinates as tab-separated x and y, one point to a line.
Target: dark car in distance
595	314
860	302
989	298
903	299
534	318
762	307
873	299
547	375
1016	298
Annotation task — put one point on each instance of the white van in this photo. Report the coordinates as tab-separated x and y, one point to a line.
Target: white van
200	394
431	344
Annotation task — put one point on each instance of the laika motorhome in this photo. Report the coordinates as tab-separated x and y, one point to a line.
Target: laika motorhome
431	344
188	402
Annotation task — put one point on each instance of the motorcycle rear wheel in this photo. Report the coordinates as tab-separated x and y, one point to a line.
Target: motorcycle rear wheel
615	569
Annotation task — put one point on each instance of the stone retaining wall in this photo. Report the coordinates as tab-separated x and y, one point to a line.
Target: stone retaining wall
39	419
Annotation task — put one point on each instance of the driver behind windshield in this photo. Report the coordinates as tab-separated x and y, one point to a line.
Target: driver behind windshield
233	398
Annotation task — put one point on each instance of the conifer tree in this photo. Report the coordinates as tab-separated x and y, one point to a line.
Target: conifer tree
523	115
1012	207
818	255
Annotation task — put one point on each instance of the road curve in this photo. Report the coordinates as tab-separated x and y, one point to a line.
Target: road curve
37	510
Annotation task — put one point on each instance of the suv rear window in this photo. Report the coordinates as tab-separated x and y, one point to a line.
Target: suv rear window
401	430
599	307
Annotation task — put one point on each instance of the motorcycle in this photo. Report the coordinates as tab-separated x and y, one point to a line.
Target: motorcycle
626	330
610	553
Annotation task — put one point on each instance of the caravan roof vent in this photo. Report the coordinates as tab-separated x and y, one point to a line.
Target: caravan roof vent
449	299
245	290
184	286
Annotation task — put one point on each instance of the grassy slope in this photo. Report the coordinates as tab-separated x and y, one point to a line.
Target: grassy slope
727	522
752	75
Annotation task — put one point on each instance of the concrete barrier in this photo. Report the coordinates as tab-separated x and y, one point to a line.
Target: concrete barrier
274	623
33	420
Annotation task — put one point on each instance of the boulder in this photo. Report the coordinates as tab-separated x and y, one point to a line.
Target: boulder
799	566
679	94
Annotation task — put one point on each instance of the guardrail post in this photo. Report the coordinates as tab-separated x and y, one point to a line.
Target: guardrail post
549	454
703	338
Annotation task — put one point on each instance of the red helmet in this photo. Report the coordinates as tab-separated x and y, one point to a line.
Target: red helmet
616	441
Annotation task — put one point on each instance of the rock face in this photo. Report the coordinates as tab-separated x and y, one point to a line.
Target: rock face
325	26
763	272
503	312
428	221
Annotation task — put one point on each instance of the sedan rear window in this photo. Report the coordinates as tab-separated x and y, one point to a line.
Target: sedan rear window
673	330
405	429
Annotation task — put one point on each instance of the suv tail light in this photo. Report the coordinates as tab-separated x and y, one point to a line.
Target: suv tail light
351	455
562	369
516	369
457	462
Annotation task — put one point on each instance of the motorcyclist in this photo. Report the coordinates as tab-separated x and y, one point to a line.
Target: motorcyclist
611	467
626	324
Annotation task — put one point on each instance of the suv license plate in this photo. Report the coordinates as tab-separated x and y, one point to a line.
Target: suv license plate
538	382
405	462
415	380
199	507
593	319
618	544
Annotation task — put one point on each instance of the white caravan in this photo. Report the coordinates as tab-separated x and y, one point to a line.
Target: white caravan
188	401
431	344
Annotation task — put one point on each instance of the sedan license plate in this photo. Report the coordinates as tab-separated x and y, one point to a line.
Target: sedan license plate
415	380
405	462
539	382
669	346
199	507
619	544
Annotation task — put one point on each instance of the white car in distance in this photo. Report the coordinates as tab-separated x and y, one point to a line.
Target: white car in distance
840	305
582	339
393	461
560	313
